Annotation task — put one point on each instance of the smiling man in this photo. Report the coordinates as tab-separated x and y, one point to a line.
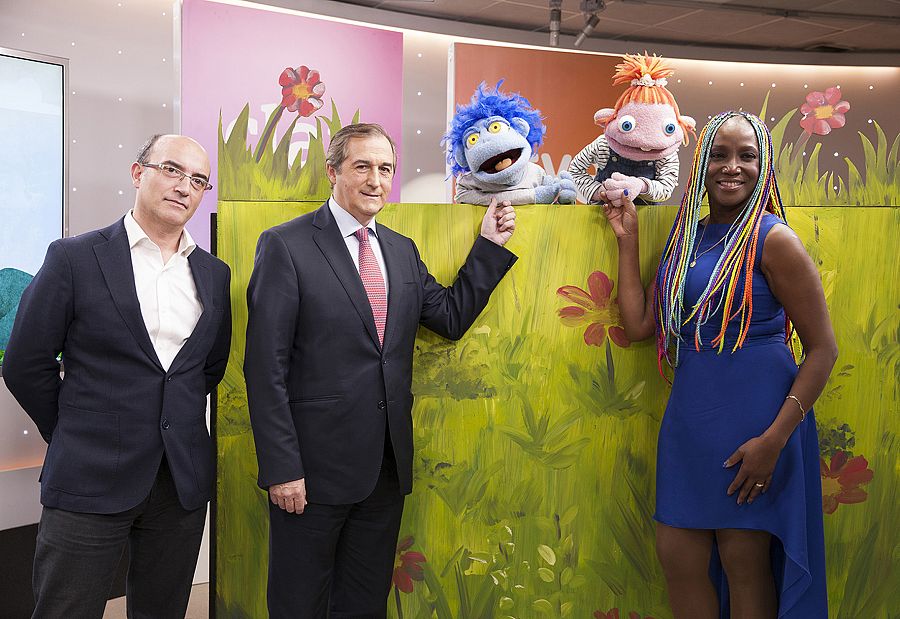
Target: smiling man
335	300
141	317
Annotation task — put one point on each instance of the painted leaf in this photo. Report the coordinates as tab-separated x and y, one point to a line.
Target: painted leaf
547	554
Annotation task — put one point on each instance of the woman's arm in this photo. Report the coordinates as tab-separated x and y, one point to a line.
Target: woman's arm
796	284
635	304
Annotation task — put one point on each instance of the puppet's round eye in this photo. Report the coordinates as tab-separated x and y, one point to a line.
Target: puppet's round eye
495	127
669	128
472	140
626	123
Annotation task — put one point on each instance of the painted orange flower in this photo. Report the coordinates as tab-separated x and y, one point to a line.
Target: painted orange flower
407	566
594	308
841	480
301	90
823	111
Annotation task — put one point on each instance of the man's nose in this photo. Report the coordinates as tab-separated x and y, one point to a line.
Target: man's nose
373	178
183	186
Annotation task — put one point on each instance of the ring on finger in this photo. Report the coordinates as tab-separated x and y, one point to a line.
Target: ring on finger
760	484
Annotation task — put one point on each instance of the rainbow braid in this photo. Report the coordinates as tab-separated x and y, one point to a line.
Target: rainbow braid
738	254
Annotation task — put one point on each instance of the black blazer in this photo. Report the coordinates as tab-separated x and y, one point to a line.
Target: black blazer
110	419
320	387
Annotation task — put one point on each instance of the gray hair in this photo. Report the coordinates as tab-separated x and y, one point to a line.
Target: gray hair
337	148
144	153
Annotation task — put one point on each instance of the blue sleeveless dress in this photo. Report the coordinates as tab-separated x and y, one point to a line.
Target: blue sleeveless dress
718	402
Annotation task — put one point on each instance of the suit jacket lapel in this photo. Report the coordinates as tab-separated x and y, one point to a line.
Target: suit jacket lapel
114	258
203	282
329	240
392	261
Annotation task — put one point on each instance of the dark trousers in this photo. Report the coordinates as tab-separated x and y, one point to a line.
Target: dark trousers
77	555
336	560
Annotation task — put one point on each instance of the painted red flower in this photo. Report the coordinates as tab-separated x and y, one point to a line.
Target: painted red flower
407	566
841	480
594	308
301	90
823	111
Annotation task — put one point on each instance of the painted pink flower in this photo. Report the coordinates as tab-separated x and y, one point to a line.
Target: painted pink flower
595	309
823	111
301	90
841	480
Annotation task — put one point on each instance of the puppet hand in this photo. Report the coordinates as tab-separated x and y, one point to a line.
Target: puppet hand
617	183
547	192
566	188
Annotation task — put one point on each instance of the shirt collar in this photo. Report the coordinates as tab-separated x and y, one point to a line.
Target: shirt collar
136	234
346	222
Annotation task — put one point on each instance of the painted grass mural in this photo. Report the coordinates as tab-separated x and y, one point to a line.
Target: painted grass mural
536	433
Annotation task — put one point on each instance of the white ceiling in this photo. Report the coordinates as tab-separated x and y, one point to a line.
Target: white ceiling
843	26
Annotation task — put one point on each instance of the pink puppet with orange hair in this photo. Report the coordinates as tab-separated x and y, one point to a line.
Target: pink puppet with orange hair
638	151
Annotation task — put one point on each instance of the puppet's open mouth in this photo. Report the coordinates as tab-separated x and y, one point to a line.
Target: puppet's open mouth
500	162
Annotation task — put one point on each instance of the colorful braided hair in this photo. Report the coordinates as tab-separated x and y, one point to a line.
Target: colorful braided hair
647	79
738	254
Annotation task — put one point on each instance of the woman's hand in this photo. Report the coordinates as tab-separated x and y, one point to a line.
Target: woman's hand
758	458
622	216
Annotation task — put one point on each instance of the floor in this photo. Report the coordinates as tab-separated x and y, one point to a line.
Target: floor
198	607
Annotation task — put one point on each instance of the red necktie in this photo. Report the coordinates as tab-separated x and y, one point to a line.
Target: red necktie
373	282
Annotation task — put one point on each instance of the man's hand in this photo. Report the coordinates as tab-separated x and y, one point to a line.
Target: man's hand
289	496
498	223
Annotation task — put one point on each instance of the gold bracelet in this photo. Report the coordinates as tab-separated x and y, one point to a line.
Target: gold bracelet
800	404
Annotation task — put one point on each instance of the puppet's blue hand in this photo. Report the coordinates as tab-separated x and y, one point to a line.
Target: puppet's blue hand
566	188
547	192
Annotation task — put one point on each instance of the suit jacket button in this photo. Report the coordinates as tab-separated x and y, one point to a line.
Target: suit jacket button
382	405
165	424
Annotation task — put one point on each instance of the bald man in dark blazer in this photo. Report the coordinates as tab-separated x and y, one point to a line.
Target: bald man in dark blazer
335	301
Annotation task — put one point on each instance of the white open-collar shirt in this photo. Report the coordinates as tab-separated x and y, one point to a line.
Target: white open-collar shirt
166	292
348	225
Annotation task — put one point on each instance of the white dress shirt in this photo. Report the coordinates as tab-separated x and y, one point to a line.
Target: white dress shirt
348	225
166	292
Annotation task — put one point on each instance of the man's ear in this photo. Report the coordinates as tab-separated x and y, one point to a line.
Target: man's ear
603	116
521	125
136	171
459	153
332	174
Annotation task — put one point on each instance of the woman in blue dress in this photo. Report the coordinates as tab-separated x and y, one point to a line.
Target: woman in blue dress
738	489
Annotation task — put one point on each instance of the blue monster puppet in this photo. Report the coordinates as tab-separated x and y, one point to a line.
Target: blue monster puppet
489	147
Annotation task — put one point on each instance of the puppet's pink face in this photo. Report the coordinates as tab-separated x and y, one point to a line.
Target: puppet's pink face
645	131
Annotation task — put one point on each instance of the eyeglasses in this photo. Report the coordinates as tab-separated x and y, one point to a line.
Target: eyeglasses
197	182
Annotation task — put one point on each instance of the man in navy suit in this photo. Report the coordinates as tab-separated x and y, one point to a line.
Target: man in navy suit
335	300
141	317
